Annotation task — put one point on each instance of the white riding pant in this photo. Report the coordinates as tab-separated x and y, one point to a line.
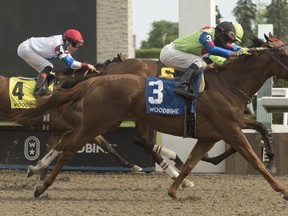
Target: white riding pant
36	61
179	60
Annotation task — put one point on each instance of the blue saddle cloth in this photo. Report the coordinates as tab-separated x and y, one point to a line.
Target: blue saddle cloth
160	98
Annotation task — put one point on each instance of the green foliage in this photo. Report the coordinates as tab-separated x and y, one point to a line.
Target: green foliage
162	33
148	53
245	13
277	15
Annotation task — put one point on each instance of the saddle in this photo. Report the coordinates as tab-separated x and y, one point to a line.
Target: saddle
189	105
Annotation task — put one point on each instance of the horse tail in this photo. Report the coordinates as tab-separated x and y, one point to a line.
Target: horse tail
58	99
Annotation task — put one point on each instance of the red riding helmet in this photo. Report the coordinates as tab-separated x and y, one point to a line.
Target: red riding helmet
73	36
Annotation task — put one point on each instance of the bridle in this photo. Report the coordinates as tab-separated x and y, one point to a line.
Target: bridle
271	55
262	49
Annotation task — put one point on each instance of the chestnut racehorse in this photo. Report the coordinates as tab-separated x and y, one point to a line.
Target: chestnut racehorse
110	100
146	136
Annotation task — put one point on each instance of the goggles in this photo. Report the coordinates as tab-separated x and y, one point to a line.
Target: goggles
232	36
76	44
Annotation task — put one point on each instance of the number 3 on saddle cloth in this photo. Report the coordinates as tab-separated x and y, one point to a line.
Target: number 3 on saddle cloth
160	99
21	92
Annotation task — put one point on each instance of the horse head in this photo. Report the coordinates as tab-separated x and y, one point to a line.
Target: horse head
279	53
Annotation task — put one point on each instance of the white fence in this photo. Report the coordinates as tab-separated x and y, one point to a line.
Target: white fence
277	103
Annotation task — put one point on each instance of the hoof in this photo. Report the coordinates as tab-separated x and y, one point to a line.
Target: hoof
172	194
30	171
187	183
37	191
136	169
285	196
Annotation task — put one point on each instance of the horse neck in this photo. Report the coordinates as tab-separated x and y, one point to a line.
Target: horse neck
130	66
248	76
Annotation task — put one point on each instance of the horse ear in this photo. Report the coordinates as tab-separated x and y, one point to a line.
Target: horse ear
266	37
271	35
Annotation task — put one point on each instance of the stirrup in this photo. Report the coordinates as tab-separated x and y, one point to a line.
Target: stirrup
42	92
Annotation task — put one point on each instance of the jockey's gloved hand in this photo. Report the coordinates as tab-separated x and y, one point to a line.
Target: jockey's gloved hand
242	51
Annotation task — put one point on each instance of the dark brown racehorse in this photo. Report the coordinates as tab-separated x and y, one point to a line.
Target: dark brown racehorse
59	125
69	118
110	100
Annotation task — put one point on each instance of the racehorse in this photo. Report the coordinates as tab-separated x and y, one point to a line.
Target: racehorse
58	125
110	100
62	121
146	137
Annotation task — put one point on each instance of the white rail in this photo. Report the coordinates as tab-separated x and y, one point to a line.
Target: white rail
277	103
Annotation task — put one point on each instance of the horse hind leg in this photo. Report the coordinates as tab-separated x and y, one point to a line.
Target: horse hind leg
72	142
105	145
42	165
217	159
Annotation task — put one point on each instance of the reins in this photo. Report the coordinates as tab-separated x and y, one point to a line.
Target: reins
237	89
263	49
243	93
260	49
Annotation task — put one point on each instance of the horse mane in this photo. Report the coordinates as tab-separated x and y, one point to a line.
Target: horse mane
74	81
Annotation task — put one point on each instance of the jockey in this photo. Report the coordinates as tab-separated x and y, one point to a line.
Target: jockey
219	60
185	52
39	51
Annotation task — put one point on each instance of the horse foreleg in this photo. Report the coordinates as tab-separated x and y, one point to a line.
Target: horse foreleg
199	150
102	142
239	142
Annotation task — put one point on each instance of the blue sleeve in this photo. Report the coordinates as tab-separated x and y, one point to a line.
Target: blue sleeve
68	60
208	43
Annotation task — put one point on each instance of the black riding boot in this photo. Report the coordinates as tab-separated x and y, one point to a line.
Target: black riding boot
41	87
183	89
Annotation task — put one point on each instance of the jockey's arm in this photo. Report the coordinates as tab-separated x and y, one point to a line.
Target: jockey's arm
67	58
209	45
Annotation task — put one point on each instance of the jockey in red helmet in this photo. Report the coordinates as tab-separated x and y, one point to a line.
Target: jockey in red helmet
74	37
38	52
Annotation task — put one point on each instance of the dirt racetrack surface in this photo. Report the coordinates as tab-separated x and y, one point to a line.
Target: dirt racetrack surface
89	193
